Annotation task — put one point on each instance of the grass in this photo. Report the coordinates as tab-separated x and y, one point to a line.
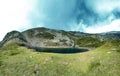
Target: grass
89	42
19	61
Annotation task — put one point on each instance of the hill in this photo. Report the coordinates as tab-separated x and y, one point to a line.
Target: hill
18	59
44	37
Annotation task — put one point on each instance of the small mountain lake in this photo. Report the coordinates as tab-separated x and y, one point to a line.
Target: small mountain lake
60	50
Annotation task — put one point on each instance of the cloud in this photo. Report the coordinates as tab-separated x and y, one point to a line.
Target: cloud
112	26
77	15
67	15
97	14
53	14
13	15
103	6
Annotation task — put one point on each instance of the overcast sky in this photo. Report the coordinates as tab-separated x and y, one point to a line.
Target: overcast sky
91	16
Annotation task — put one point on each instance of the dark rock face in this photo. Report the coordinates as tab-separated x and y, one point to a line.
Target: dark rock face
43	37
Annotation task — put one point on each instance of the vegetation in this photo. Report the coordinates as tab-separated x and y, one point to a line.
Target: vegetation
41	34
50	43
16	60
46	35
89	42
63	40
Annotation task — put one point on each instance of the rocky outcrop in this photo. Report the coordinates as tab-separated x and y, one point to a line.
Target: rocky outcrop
14	36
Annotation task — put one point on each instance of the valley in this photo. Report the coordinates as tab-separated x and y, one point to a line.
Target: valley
20	57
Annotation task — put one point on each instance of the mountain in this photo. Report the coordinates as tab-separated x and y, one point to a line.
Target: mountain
18	55
44	37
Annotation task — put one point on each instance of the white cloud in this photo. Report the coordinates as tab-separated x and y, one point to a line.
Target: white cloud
13	15
103	6
107	5
78	27
113	26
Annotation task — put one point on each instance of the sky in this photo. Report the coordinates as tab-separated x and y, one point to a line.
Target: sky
90	16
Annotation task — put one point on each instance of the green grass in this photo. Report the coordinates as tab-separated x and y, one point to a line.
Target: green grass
89	42
19	61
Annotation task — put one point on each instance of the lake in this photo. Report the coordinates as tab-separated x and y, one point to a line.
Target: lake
60	50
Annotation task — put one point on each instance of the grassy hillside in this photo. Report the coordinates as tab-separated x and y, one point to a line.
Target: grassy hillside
16	60
89	42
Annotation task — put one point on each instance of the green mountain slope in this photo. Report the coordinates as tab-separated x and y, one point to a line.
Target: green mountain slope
16	60
19	58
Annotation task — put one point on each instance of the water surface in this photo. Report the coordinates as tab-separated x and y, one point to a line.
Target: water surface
60	50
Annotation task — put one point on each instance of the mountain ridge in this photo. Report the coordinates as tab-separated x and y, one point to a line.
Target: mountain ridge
44	37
